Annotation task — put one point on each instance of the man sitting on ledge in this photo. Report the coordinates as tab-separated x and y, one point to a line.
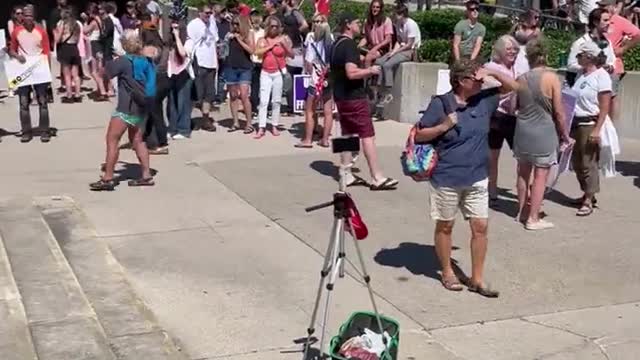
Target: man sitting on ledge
408	41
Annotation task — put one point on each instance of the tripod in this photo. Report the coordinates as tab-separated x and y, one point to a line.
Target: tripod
335	256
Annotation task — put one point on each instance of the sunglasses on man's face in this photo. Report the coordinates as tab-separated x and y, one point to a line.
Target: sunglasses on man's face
18	13
472	9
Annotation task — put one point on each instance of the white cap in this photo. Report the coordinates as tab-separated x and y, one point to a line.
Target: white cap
589	48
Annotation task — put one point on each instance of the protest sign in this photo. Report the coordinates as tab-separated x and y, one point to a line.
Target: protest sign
300	85
34	71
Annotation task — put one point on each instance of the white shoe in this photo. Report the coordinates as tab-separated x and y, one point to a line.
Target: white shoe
169	136
539	225
178	137
11	94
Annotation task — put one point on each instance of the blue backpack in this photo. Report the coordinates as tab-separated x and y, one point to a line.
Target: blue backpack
143	85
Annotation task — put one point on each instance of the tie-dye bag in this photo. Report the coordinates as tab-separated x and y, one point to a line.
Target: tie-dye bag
418	160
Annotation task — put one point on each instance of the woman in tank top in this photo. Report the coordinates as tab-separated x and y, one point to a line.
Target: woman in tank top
93	30
67	35
318	92
237	72
540	128
275	48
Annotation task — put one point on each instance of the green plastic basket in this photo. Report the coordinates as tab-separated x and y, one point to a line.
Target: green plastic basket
355	326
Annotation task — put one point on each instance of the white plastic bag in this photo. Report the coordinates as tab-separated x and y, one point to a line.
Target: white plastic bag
609	148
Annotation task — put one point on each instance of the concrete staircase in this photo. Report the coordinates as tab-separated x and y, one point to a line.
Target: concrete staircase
62	294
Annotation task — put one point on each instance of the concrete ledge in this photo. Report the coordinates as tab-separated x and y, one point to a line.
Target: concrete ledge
415	84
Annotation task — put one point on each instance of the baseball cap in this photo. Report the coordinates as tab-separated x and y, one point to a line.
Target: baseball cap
471	3
346	18
589	48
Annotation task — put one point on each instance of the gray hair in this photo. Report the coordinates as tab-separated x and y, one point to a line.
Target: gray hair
500	46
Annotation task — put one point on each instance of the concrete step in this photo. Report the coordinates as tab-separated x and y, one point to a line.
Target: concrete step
57	314
64	294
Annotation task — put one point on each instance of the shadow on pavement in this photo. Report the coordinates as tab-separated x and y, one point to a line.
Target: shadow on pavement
630	169
127	171
419	259
328	168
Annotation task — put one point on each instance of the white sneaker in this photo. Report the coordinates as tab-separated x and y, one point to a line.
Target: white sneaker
11	94
169	136
178	137
539	225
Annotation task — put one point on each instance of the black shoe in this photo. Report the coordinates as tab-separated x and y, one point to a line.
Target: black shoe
45	137
67	100
77	99
26	138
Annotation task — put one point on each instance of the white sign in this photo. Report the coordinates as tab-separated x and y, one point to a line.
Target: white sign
34	71
3	39
443	85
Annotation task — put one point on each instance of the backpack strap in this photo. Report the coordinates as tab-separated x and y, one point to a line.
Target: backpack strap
335	46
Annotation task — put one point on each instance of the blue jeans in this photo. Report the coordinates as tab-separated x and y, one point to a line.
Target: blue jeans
221	93
179	104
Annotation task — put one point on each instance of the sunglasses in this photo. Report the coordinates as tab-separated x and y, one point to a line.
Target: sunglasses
18	13
473	9
208	12
236	23
317	21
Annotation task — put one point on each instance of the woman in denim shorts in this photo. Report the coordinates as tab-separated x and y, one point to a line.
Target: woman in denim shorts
237	73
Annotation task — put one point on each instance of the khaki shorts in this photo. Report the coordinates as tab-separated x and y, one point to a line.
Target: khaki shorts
472	201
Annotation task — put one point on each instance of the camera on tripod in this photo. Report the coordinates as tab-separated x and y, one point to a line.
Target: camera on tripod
345	144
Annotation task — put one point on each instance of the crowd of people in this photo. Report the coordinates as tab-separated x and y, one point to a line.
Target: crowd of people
247	57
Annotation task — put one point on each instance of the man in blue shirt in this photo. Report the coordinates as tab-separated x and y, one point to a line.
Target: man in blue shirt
457	124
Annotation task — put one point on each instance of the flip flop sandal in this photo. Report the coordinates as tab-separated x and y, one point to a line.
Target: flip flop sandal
387	184
324	145
142	182
259	135
585	210
233	129
103	185
451	283
484	290
274	132
303	146
248	130
358	181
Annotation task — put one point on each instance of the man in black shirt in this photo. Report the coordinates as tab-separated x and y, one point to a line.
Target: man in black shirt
352	103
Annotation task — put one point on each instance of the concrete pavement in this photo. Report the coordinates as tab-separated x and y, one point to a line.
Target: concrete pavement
224	256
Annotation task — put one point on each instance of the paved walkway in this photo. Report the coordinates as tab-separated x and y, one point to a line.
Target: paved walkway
223	254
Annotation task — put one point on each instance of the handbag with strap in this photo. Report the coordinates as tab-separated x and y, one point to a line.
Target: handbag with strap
419	161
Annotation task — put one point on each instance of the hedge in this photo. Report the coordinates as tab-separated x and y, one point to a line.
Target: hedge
437	30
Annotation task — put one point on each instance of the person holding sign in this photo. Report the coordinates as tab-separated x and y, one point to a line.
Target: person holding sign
29	42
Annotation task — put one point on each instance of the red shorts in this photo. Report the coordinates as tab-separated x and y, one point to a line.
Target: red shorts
355	118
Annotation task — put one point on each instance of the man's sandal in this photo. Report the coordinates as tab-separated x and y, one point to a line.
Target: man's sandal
451	283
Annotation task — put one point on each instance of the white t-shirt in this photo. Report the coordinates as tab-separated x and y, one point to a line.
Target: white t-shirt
117	35
584	8
204	41
257	35
588	87
409	30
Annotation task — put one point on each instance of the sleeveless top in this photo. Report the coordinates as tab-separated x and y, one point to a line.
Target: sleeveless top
274	59
95	34
69	35
238	57
535	129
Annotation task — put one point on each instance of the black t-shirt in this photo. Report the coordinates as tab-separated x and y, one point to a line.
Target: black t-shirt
345	51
